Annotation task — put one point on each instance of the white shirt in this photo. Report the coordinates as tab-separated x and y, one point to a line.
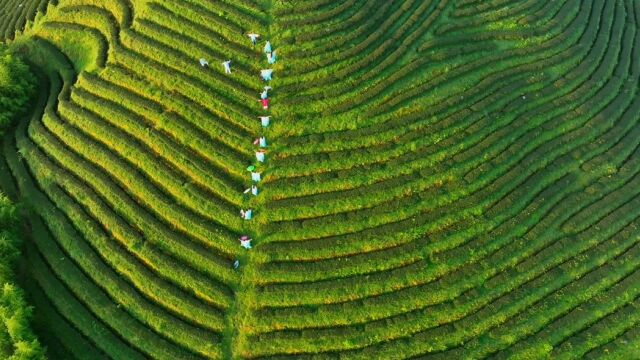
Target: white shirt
253	189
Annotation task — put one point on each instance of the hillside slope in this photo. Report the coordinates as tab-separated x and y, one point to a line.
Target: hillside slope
443	179
14	15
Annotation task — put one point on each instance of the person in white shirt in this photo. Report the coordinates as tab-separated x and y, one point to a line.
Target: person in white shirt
265	93
254	38
245	242
266	74
253	189
227	66
271	57
265	120
246	214
261	141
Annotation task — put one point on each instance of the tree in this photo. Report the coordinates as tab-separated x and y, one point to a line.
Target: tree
17	85
17	340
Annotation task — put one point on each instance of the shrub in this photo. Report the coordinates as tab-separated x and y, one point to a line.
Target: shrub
17	85
17	341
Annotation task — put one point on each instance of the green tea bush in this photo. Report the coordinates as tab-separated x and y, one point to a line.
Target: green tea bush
445	179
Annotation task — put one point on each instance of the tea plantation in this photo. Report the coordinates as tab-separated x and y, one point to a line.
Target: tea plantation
442	179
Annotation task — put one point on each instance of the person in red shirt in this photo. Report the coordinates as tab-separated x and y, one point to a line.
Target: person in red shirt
265	103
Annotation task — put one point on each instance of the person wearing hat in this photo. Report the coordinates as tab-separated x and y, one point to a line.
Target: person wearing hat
246	214
245	242
266	74
264	120
254	38
227	66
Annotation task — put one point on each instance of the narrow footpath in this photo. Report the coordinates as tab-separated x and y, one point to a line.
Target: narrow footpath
239	316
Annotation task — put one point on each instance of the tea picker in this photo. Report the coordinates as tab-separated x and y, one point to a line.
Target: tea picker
266	74
246	214
265	93
265	120
267	47
227	66
253	189
204	63
260	155
265	103
261	141
245	242
254	38
236	264
271	57
255	176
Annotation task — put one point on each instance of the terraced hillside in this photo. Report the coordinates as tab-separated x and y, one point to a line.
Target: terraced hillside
14	15
443	179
